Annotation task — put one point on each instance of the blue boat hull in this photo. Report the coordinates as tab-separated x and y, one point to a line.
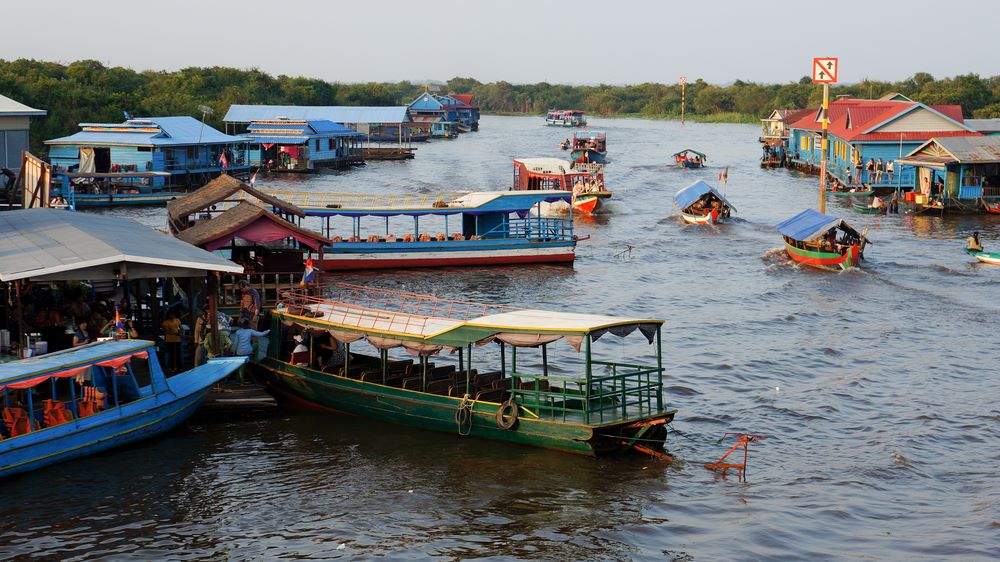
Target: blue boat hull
128	423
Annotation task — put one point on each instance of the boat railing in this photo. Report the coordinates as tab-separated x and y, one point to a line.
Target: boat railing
402	202
627	391
351	304
539	229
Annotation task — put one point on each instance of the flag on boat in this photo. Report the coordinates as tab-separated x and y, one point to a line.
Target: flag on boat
724	175
309	274
222	160
119	326
253	178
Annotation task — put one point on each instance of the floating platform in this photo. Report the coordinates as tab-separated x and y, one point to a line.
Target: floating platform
389	153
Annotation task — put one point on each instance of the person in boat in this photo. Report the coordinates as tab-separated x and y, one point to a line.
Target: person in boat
225	343
300	354
973	244
79	332
112	330
830	240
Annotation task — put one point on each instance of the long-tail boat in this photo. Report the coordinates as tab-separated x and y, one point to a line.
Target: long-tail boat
701	203
438	229
822	241
689	158
586	182
91	398
566	118
992	209
510	391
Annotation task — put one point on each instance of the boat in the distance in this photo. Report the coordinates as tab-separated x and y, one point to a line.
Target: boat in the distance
95	397
438	229
868	207
591	146
701	203
472	369
586	183
822	241
689	158
566	118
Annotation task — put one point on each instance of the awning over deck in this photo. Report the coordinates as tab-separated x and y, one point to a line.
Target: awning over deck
57	245
60	361
809	225
384	205
687	196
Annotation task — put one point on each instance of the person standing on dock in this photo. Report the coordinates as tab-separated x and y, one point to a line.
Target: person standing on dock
890	169
249	303
879	166
869	169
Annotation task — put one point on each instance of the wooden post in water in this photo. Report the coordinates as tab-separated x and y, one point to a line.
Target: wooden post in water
822	160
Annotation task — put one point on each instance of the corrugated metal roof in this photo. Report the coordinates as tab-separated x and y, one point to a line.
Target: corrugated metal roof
275	139
338	114
965	150
14	108
808	225
687	196
51	244
173	131
851	118
984	125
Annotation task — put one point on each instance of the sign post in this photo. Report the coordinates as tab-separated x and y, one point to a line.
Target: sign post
684	82
824	72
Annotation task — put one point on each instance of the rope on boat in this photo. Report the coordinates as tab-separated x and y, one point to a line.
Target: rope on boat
463	415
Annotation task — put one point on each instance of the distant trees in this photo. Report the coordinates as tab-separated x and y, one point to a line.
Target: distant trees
89	91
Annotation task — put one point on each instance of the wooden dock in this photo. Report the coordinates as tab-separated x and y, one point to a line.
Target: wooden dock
388	153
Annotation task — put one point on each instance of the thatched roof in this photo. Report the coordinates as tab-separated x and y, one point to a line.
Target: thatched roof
220	189
229	223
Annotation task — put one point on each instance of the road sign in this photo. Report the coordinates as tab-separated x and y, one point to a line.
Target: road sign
824	70
684	80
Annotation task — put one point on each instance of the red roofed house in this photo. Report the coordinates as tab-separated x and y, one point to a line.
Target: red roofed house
862	130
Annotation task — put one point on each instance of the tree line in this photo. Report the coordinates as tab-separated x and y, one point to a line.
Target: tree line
88	91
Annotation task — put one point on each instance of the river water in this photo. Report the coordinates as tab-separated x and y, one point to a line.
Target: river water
877	390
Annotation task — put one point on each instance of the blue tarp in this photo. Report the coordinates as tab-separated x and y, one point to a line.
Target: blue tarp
808	226
687	196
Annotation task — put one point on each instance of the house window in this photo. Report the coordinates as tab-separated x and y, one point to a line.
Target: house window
192	152
317	146
330	145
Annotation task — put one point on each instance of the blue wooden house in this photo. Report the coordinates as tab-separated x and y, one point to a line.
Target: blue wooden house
288	145
170	151
454	108
966	168
863	130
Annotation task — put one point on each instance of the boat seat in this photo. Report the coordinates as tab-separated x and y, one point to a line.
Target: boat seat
355	372
395	379
458	390
543	385
439	387
411	383
487	379
301	358
491	395
55	413
503	384
441	372
414	369
372	376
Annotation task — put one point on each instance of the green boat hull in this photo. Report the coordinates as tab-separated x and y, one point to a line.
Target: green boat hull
438	413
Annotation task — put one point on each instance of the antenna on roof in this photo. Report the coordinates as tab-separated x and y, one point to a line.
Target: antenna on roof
205	110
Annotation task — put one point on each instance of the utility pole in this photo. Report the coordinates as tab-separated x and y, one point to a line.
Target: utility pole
824	72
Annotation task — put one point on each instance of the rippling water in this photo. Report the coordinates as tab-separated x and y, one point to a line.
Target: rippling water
877	388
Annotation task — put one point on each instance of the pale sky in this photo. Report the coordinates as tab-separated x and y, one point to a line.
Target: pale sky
567	42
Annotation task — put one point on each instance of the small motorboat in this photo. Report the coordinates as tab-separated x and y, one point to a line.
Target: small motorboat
994	208
87	399
689	158
822	241
992	258
700	203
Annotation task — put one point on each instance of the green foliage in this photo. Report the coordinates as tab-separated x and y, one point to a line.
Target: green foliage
86	90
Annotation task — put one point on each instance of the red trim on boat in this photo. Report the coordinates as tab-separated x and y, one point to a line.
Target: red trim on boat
331	264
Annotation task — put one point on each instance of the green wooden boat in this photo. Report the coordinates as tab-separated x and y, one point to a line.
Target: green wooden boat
867	193
510	392
864	209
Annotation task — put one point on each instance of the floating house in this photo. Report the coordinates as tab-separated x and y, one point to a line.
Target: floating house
181	151
361	119
448	108
286	145
989	127
14	123
862	130
967	168
774	127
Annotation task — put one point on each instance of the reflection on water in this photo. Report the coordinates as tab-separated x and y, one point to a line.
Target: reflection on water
876	387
